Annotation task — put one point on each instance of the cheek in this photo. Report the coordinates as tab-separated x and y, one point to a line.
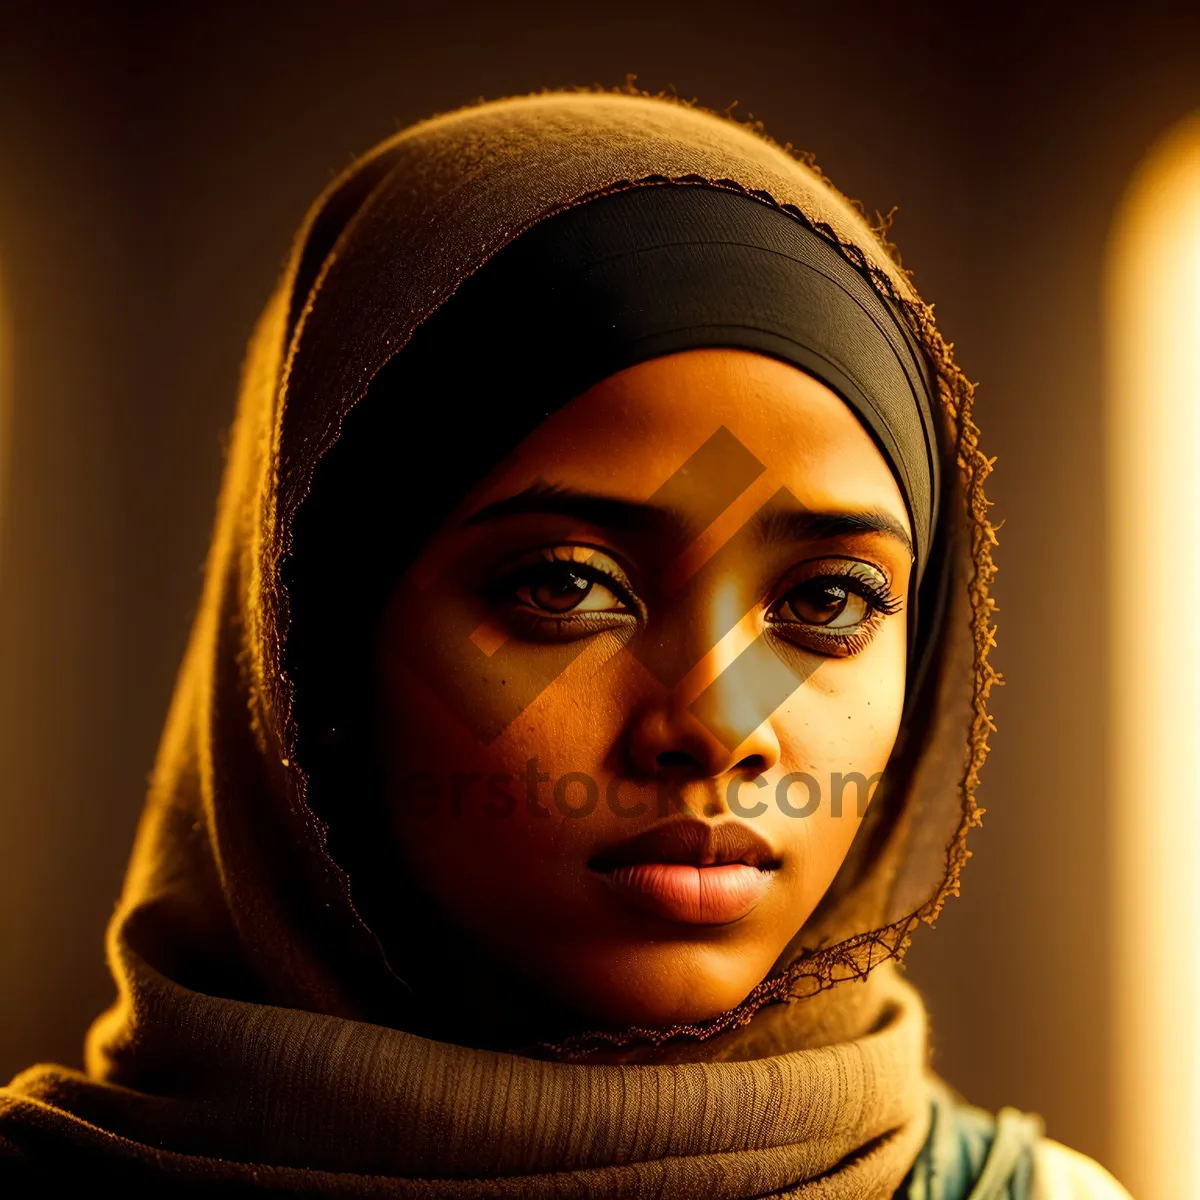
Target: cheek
847	715
571	722
836	734
476	819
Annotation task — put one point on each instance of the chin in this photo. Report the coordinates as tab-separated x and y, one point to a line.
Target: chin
663	985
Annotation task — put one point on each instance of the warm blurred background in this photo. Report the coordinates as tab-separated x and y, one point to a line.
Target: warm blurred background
153	165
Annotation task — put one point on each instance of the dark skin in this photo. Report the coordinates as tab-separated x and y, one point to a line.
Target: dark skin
601	630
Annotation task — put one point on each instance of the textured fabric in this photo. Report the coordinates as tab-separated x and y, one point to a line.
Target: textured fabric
390	1113
257	1035
971	1155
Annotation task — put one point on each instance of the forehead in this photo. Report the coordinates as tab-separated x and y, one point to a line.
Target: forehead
629	435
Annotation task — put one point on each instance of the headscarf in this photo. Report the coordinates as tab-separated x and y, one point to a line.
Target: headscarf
259	1032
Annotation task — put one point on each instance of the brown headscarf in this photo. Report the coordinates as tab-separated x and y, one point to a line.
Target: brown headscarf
258	1035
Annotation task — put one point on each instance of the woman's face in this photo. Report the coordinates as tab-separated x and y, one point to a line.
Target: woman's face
640	684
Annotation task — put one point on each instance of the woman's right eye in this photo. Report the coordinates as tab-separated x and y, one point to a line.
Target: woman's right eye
562	589
562	593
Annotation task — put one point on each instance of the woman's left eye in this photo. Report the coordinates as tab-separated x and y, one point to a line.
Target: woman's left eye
827	603
836	612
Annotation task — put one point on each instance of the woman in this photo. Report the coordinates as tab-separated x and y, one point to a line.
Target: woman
586	703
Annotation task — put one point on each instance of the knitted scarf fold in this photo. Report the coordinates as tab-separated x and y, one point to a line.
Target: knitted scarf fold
319	1105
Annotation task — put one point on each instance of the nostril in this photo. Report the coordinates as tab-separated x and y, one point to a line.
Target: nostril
676	758
752	762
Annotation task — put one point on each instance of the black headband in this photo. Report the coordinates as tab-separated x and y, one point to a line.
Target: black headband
654	270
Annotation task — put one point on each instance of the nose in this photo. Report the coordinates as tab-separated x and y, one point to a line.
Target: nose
717	717
665	736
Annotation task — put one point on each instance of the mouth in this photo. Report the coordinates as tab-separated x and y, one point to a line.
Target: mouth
691	872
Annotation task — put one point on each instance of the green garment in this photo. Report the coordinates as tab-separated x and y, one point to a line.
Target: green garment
972	1155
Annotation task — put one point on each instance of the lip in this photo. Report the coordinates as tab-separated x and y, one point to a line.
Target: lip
691	872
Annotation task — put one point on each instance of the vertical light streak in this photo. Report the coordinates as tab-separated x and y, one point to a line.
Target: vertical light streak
5	416
1153	335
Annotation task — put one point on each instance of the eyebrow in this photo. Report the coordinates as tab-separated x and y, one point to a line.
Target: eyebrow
609	512
555	500
806	525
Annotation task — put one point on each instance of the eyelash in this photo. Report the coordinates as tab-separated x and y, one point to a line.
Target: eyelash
856	578
551	563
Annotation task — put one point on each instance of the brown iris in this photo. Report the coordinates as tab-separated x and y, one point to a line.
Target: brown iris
560	590
822	602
